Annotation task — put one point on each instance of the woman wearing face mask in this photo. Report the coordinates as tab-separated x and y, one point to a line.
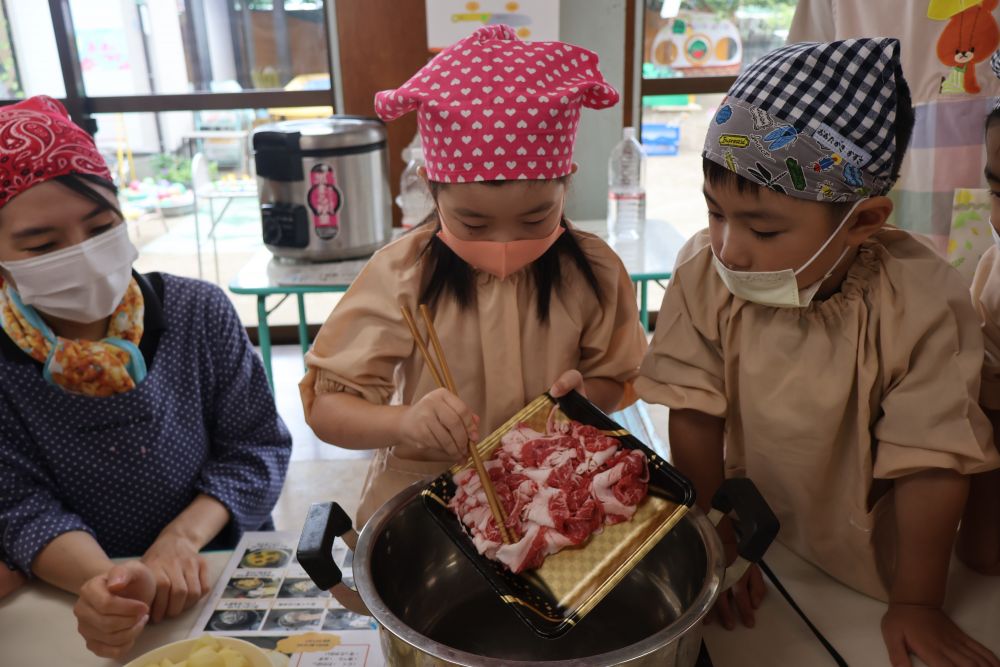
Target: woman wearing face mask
522	301
135	418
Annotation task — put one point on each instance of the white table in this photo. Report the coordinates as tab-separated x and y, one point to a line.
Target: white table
38	629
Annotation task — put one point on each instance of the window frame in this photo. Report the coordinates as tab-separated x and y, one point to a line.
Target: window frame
81	106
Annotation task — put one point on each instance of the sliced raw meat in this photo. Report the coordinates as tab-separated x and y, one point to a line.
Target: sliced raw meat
556	488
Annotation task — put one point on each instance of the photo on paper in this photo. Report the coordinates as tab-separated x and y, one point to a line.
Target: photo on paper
235	620
343	619
301	588
253	588
293	620
260	556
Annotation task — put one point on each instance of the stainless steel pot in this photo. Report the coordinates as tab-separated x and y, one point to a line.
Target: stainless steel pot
434	608
324	187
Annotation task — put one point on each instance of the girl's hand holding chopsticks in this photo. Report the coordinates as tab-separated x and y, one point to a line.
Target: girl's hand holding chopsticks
439	420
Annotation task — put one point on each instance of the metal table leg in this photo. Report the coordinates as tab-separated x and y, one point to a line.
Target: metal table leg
303	326
643	304
264	335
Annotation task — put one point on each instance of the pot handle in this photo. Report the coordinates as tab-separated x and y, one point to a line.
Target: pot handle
755	524
324	522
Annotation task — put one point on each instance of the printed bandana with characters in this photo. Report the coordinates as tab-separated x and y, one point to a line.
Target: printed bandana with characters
113	365
750	142
814	120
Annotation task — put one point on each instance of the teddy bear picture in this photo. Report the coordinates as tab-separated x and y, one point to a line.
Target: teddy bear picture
969	38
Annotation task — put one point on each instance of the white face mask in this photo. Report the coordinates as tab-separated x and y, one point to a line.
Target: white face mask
83	283
996	237
779	289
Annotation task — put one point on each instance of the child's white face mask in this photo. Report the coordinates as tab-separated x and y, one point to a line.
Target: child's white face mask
993	230
779	289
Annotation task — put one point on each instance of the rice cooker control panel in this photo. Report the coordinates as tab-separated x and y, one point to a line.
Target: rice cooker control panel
285	225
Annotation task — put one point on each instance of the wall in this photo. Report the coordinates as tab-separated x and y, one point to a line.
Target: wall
598	25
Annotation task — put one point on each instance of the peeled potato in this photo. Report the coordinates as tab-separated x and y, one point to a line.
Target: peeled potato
206	656
209	641
208	652
233	658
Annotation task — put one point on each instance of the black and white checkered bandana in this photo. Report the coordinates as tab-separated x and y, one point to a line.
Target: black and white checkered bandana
814	120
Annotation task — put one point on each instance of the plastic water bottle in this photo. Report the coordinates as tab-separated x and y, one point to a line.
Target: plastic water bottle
414	198
626	189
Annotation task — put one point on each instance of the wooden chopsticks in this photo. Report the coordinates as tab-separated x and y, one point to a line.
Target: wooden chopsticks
444	378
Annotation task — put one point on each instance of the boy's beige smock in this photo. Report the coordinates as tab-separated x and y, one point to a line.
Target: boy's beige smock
502	357
986	298
825	405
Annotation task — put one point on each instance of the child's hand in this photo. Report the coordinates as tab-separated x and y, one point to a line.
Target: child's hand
929	634
439	420
181	575
743	598
567	382
113	608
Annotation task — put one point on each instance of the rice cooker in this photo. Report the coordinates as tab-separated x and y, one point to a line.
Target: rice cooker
324	187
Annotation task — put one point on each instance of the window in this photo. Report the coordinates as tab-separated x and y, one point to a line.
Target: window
29	59
160	81
133	47
692	52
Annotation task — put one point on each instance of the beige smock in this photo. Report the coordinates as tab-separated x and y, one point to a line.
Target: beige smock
825	405
986	298
501	356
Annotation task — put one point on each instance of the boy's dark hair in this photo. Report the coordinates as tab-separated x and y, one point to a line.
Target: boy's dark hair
718	175
450	275
993	117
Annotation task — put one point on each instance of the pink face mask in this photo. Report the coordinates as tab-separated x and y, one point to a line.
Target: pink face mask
498	257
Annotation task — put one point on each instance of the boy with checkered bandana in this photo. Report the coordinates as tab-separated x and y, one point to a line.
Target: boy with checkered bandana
831	359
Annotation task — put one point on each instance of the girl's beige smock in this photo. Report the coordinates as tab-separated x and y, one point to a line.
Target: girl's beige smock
825	405
502	357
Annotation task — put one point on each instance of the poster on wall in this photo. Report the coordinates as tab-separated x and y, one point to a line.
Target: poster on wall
451	20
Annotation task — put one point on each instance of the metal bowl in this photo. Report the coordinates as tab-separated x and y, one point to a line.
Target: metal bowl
436	609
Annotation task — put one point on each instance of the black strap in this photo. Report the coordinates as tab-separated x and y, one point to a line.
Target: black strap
798	610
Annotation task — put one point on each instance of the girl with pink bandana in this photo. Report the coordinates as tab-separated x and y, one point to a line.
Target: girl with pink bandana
523	302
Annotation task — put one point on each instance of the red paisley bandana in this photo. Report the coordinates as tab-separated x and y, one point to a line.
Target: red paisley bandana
39	142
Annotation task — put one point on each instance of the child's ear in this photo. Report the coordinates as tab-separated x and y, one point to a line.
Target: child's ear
869	217
422	173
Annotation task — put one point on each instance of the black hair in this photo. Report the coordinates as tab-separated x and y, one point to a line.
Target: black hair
450	276
718	175
85	184
994	115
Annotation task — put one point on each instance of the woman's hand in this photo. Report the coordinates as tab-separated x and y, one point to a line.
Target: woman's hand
113	608
439	420
181	575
